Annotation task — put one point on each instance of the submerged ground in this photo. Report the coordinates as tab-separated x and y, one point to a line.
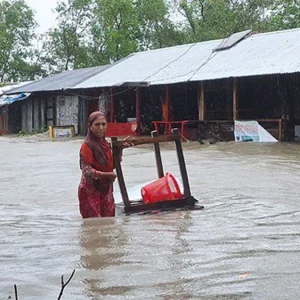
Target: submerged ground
243	245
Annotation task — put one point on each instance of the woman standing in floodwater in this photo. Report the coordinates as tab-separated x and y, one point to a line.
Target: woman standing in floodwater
95	191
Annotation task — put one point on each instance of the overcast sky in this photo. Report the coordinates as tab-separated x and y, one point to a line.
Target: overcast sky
43	14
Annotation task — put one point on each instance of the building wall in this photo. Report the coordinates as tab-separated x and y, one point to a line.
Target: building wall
43	112
82	116
3	119
50	110
103	103
67	111
14	117
26	108
36	114
32	116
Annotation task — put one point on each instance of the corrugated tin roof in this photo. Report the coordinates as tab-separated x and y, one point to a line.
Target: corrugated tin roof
11	86
167	65
259	54
61	81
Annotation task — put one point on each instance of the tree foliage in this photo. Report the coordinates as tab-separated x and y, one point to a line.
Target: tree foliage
66	42
97	32
114	31
16	34
212	19
125	26
155	28
284	14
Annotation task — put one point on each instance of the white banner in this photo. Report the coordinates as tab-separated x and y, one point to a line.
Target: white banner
245	131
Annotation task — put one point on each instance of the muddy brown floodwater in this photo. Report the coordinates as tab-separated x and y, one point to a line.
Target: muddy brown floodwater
245	244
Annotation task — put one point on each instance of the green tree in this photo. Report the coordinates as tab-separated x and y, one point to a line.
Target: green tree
114	31
122	27
284	14
16	35
212	19
156	30
66	43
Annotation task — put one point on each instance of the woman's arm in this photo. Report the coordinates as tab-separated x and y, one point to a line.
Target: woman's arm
86	162
89	171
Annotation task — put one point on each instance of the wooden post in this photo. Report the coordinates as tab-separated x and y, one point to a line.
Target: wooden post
235	100
160	170
32	115
280	129
116	156
138	110
228	99
282	122
40	114
201	102
184	176
112	106
167	117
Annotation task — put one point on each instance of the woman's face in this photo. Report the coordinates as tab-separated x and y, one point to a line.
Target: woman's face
99	127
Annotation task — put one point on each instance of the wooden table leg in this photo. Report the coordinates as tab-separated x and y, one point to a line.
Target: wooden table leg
182	131
123	190
160	170
182	166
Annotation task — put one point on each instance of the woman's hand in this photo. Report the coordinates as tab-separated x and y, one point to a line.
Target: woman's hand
127	142
111	176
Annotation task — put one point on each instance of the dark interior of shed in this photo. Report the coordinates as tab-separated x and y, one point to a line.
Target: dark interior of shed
218	100
270	97
183	97
125	104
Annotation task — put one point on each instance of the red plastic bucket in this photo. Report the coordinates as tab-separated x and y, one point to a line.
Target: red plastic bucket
164	189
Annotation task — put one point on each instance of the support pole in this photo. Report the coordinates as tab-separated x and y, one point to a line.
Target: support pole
40	114
280	130
235	100
201	102
116	155
159	166
112	106
228	99
181	161
282	122
138	110
168	113
32	115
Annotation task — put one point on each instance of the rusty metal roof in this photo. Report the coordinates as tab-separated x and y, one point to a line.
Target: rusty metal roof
258	54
